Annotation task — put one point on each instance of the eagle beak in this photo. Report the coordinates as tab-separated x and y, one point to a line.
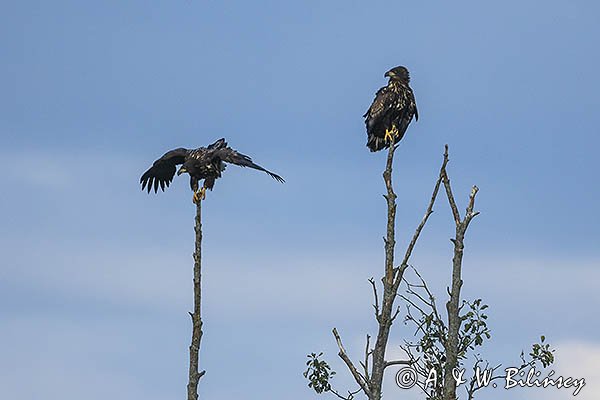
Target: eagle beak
181	171
389	74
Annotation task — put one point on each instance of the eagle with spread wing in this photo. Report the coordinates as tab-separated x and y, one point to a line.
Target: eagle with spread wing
392	110
206	163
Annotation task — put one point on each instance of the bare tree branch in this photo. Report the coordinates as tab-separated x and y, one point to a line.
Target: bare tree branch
449	194
367	354
371	383
389	289
194	376
393	276
350	394
430	295
390	197
472	388
361	380
452	306
397	362
376	304
428	212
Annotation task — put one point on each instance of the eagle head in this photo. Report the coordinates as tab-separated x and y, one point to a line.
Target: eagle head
398	74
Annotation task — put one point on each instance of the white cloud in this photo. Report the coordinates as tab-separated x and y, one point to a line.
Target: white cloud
161	279
64	359
576	359
37	170
315	286
61	170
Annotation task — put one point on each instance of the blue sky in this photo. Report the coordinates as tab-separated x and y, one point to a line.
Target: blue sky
94	270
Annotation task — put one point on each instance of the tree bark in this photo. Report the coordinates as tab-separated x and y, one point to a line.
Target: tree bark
194	375
370	382
452	306
454	321
385	318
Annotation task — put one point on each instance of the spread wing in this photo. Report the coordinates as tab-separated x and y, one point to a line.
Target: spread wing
221	143
163	170
231	156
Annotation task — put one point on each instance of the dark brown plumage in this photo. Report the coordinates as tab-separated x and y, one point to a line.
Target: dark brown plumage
392	110
206	163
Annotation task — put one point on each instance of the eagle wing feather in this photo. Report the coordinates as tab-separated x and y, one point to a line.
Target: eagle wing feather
163	170
231	156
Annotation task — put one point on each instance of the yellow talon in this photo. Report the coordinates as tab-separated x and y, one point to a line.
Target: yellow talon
390	134
199	195
387	137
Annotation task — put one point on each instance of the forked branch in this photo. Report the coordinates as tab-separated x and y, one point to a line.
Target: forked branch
385	311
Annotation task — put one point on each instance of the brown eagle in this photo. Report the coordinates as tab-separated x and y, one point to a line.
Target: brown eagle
206	163
391	112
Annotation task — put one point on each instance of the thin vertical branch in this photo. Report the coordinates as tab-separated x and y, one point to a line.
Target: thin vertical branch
452	306
371	384
194	375
390	197
358	377
449	194
387	303
428	212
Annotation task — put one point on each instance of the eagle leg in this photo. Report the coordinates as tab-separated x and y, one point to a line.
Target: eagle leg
390	134
199	195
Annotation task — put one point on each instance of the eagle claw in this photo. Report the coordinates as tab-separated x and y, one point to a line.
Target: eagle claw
390	134
199	195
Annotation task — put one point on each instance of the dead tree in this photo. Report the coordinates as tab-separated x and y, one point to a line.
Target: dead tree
369	377
452	306
438	356
195	375
442	345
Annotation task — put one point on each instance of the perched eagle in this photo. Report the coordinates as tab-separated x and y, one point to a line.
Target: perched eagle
203	163
391	112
